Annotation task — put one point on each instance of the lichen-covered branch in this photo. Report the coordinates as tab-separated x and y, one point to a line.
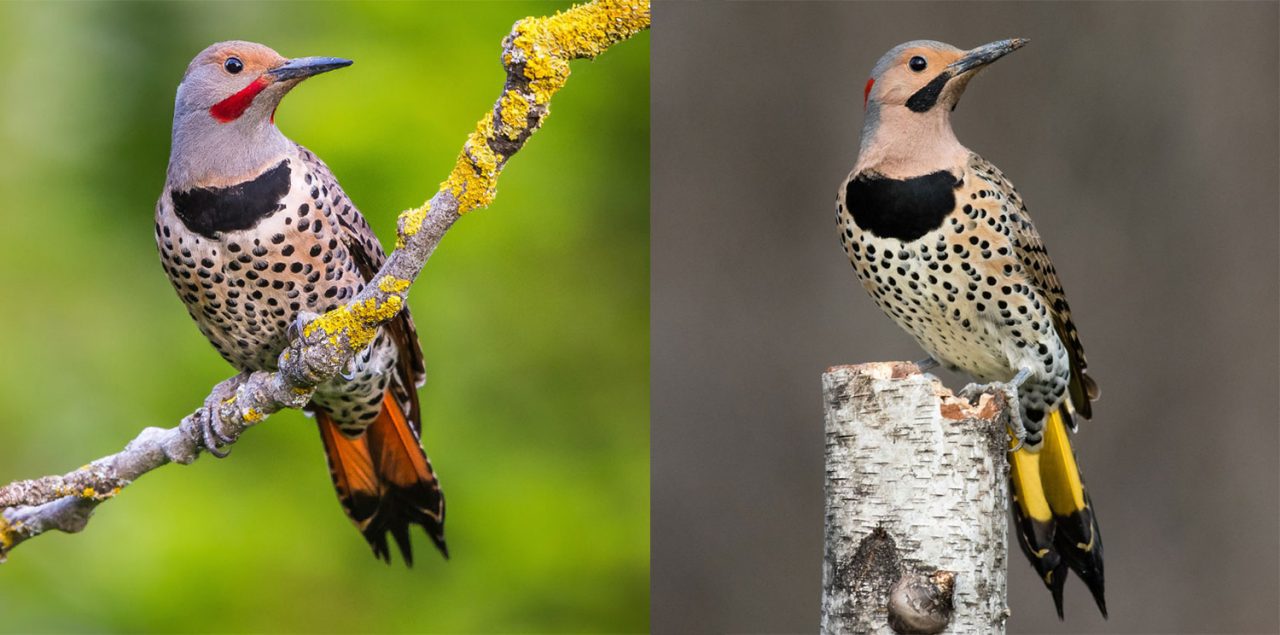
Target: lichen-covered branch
916	502
536	55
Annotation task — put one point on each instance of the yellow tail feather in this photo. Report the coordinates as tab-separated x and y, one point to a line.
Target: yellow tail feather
1058	469
1055	521
1028	490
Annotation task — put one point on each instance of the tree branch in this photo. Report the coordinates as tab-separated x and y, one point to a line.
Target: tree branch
536	55
917	496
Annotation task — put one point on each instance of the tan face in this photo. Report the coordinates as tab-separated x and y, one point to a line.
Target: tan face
908	72
923	75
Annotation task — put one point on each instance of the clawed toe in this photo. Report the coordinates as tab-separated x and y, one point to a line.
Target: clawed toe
973	392
221	438
213	441
1009	393
210	417
295	329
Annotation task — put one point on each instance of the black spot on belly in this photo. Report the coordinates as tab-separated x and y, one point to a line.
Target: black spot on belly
904	209
207	211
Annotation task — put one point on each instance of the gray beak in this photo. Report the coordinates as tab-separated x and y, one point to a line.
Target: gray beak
985	54
304	67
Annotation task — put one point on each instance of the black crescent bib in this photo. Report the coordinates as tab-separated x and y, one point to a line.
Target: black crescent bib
905	209
207	211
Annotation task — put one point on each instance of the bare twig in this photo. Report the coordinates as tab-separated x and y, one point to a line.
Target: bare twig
536	56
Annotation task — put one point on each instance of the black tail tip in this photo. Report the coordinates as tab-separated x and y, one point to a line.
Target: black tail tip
1101	601
1057	581
381	549
438	541
1097	588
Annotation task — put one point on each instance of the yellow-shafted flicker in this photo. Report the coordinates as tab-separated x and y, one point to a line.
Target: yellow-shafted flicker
943	243
255	234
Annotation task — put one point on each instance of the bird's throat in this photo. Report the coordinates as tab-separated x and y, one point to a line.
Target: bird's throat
900	143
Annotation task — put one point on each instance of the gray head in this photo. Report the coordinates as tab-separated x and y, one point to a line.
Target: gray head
224	114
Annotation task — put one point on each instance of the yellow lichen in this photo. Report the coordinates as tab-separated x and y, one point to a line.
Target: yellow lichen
359	322
88	493
475	174
513	109
544	47
7	535
392	284
547	44
252	415
410	222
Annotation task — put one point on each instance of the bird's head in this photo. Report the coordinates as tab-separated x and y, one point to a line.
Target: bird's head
909	99
923	75
224	114
238	81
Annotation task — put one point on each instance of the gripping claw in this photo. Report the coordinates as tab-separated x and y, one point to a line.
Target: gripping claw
1009	391
211	438
295	329
209	416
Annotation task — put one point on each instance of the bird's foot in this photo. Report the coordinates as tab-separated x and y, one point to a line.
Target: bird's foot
208	419
1007	393
296	328
927	364
348	372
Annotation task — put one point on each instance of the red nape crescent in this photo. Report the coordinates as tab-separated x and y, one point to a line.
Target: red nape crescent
866	92
232	107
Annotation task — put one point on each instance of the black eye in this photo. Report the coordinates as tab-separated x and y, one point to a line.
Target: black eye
234	65
918	64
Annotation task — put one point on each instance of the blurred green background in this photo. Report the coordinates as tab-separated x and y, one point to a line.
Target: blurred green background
533	315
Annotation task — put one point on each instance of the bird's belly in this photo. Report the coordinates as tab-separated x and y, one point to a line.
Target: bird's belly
245	288
936	297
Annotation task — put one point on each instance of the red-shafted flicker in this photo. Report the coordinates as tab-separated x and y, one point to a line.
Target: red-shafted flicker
943	243
254	231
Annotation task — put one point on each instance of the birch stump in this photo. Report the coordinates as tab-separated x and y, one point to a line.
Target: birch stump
916	501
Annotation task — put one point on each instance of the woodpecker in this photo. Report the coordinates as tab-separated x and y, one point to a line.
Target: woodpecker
943	243
256	235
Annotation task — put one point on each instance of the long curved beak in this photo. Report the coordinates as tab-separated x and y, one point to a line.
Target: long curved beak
303	67
985	54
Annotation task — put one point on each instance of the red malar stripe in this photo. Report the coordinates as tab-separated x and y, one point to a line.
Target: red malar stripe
232	107
866	92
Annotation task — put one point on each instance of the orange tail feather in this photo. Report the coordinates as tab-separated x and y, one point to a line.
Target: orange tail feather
384	480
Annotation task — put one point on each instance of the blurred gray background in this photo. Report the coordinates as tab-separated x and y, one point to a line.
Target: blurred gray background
1143	137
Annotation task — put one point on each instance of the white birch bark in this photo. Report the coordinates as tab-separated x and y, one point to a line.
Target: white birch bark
916	483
